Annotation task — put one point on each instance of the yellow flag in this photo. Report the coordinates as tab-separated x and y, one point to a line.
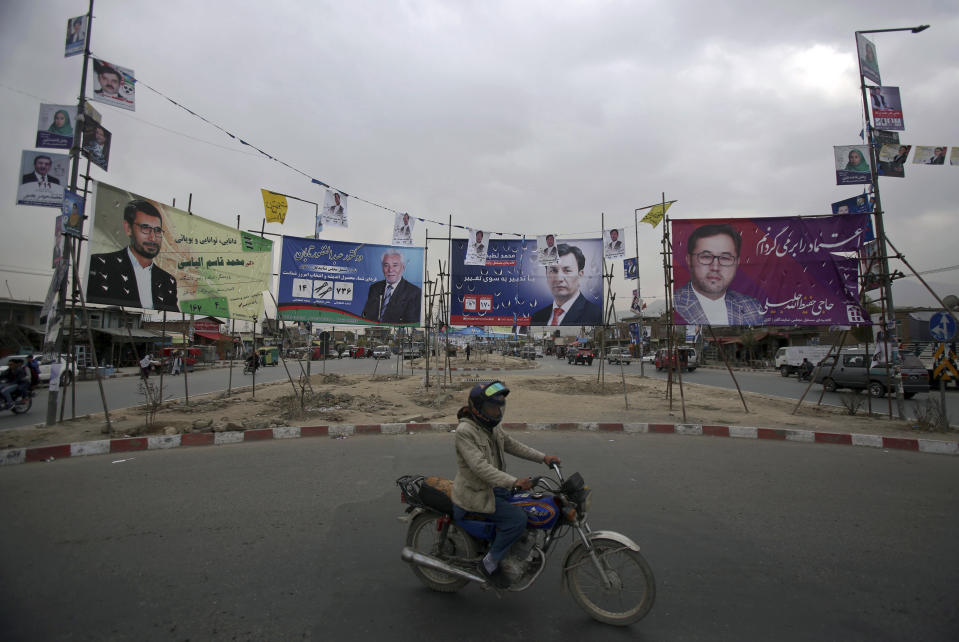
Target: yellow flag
656	214
275	205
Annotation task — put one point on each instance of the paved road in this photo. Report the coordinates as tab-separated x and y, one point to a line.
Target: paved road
123	391
749	540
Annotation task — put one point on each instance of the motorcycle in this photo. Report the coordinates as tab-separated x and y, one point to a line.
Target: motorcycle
604	571
22	401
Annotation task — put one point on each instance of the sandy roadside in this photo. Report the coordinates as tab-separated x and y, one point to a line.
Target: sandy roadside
365	399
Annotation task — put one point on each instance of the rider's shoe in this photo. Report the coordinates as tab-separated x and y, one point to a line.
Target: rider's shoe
497	578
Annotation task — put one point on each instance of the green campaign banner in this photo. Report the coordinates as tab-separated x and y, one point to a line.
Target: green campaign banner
145	254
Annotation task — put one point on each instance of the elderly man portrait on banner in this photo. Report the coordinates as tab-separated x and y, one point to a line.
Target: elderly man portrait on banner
129	276
394	299
570	306
712	256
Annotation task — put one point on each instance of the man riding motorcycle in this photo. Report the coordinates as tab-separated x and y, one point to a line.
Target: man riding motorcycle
481	484
13	379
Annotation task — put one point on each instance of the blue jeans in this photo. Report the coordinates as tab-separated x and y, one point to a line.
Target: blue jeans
510	523
6	392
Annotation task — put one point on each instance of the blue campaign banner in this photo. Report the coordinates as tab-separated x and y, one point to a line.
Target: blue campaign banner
350	283
629	269
514	288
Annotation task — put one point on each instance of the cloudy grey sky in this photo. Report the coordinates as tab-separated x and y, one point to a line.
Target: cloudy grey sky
525	117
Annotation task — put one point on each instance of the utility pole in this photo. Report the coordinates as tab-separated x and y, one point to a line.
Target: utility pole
877	210
53	396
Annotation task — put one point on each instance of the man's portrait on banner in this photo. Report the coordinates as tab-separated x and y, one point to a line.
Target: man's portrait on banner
712	258
477	247
546	252
113	85
42	179
334	209
402	229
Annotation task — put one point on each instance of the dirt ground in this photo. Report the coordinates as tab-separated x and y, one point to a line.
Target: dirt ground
365	399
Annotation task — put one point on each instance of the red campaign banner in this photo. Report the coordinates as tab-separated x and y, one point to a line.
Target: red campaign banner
886	108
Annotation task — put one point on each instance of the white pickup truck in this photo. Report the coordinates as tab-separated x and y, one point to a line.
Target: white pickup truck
790	358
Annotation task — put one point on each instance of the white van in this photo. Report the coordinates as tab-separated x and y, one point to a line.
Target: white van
790	358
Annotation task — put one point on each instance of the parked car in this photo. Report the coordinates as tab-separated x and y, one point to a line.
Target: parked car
580	356
381	352
618	355
850	371
683	357
649	357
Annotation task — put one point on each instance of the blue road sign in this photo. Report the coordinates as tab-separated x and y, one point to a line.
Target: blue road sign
942	326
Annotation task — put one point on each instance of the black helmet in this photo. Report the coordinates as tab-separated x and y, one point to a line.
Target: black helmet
486	402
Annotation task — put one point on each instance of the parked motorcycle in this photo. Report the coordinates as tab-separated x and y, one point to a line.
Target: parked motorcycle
603	570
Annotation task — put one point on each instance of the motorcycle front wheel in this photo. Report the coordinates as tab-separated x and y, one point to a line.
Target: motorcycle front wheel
633	587
423	537
22	405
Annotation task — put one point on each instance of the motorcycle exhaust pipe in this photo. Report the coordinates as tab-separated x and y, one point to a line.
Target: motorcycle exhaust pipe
412	557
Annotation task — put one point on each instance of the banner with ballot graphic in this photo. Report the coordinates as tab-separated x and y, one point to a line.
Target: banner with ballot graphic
350	283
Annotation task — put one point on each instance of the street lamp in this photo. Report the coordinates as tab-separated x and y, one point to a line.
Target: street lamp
880	230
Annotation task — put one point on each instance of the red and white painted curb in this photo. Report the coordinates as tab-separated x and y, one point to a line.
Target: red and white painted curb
160	442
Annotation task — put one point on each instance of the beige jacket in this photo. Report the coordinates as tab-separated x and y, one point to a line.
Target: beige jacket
477	454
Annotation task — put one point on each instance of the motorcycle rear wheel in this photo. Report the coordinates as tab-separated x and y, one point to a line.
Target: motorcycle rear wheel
423	537
634	587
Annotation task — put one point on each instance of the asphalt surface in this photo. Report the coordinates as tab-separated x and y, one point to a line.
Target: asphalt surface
123	392
749	540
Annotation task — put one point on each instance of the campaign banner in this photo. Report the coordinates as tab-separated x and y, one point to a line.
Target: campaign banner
930	155
870	266
892	160
350	283
630	270
768	271
96	143
868	60
861	204
55	126
144	254
403	225
547	253
513	288
334	209
42	179
76	36
852	165
886	108
613	246
114	85
478	246
73	210
637	304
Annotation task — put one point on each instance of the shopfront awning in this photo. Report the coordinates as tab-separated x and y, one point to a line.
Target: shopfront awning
213	336
138	334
